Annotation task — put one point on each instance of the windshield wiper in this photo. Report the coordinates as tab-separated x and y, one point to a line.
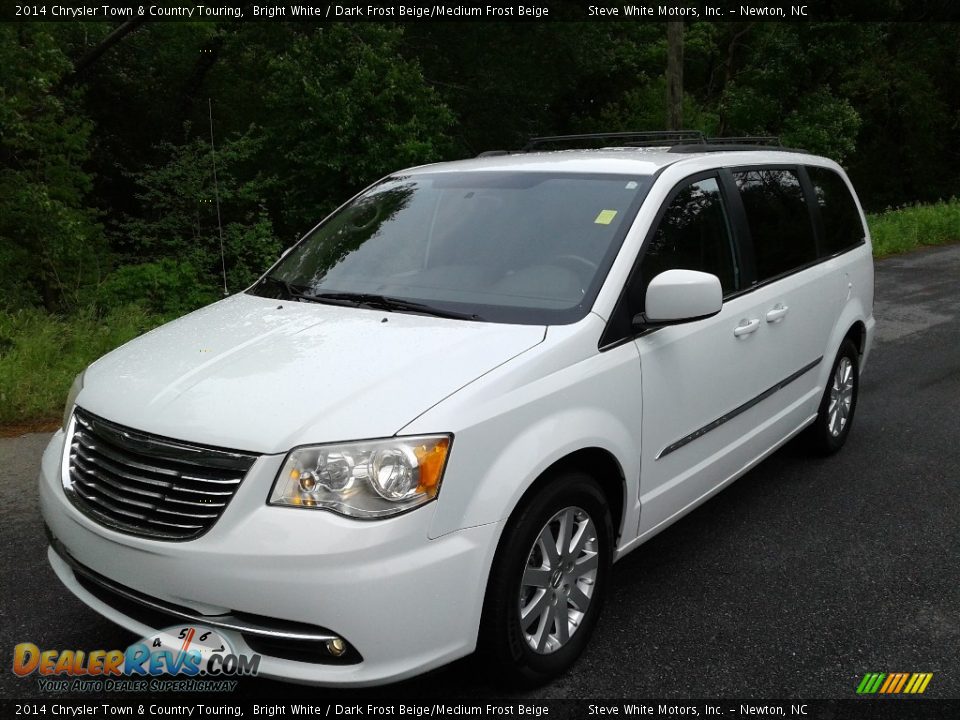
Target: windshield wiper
384	302
293	293
372	300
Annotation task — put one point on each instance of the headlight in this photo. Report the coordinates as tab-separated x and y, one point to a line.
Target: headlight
72	398
367	479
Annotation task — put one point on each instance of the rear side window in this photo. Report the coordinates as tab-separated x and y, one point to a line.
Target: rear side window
693	235
779	220
842	228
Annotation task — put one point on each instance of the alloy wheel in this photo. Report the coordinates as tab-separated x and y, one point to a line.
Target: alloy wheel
841	397
559	579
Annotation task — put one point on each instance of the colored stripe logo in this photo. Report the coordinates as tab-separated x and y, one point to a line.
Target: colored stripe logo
894	683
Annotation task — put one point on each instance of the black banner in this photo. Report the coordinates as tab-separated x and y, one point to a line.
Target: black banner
524	11
854	709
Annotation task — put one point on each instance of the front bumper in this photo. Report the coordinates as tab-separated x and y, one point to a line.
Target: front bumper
405	603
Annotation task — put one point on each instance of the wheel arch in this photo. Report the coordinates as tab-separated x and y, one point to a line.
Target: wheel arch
598	463
601	465
850	325
858	334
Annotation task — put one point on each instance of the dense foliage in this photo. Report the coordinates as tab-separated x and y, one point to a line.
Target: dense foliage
107	192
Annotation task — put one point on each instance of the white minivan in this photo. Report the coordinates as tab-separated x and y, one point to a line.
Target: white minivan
436	421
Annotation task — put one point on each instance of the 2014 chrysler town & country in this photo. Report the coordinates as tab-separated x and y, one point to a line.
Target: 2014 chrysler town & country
434	424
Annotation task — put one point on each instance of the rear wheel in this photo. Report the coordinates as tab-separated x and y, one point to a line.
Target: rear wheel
548	581
839	403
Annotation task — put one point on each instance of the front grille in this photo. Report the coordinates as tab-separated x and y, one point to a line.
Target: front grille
145	485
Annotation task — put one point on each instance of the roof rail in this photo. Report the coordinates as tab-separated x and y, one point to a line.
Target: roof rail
746	140
712	147
679	141
630	139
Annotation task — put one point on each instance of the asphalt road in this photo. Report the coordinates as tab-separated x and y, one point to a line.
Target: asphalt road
793	583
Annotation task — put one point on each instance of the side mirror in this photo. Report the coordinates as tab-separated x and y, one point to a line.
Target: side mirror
679	296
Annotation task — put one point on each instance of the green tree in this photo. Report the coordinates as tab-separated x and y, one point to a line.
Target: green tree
787	79
346	108
908	94
174	240
50	240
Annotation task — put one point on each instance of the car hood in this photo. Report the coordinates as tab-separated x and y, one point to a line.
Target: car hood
255	374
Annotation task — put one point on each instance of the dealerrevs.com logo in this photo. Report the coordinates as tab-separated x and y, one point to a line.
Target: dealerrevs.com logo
180	658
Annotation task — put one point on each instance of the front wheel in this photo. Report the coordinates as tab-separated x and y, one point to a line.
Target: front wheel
548	581
839	403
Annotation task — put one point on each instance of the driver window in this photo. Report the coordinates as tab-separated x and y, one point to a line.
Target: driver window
694	234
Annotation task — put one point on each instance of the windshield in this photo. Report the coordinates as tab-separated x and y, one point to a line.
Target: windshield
503	247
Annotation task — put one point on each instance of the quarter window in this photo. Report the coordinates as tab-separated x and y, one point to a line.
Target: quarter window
779	221
694	234
842	228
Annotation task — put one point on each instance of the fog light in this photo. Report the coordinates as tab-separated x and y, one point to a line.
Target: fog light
336	647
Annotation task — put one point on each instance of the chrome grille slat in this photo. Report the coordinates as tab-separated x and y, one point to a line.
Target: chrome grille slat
176	525
213	493
163	450
141	484
109	506
181	514
105	450
124	457
229	481
194	503
89	454
103	472
108	492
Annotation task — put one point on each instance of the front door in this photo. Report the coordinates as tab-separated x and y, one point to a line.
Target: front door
698	378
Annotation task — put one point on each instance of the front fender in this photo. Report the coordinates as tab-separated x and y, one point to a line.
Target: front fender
496	487
514	423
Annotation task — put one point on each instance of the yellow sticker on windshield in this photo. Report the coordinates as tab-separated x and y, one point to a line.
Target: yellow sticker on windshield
605	217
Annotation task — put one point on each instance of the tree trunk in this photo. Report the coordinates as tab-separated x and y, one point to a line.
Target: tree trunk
674	75
192	88
93	54
728	76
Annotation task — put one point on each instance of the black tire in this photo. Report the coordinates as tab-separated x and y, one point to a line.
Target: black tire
503	643
823	436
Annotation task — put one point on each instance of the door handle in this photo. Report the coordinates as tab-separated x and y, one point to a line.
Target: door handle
746	327
777	313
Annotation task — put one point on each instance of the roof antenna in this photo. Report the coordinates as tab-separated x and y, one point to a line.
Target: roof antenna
216	192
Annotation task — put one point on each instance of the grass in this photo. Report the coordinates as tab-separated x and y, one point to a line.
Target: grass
907	228
40	353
